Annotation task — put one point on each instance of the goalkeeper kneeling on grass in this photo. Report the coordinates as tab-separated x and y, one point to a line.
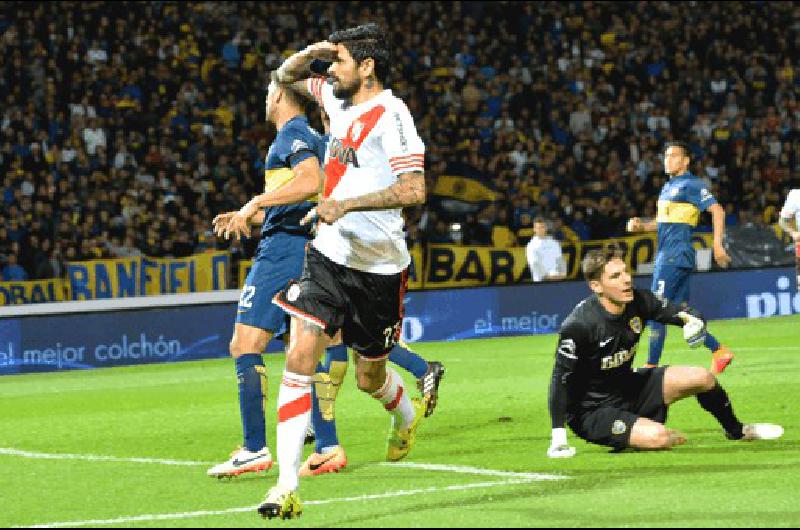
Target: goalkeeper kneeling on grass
594	388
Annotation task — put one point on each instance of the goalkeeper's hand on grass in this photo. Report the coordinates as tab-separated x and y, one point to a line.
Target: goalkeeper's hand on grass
558	445
694	329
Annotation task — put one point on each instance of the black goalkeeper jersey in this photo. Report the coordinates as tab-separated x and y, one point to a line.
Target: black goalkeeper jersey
596	350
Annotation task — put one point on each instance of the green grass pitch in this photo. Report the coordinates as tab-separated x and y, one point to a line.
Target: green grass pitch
492	415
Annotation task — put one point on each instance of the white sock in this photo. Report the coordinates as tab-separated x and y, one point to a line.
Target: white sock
395	399
294	416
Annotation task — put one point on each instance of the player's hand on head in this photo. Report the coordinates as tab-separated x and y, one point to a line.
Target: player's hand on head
721	257
324	50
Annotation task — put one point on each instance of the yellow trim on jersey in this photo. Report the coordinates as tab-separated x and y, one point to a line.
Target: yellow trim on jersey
677	212
277	178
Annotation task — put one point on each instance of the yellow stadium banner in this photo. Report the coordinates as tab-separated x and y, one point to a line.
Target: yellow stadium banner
141	276
416	269
244	269
32	292
463	188
449	266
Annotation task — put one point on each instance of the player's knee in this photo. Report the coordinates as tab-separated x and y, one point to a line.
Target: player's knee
708	380
650	436
368	382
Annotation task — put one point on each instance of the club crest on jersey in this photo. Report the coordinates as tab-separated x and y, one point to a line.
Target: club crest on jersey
636	325
618	427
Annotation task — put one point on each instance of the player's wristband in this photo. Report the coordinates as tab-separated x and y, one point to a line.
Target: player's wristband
559	437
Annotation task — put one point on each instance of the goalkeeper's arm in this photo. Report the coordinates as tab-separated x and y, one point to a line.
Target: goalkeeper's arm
567	355
664	311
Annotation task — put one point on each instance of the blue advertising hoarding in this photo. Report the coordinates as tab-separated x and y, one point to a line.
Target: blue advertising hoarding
119	338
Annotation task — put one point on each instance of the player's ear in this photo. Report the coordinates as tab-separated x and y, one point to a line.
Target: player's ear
596	287
367	67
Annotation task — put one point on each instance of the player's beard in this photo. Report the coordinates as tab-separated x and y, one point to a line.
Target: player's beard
346	92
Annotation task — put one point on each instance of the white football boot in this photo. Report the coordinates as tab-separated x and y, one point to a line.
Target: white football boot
243	461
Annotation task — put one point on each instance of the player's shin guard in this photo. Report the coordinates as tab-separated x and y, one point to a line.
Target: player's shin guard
657	336
716	402
395	399
252	377
408	360
327	382
294	414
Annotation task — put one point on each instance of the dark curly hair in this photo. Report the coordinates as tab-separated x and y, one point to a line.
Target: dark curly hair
363	42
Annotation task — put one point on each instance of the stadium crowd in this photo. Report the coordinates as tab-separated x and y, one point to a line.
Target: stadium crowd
126	126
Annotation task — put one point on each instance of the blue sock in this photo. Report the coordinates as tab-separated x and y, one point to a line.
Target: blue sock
711	343
327	381
252	378
658	334
409	361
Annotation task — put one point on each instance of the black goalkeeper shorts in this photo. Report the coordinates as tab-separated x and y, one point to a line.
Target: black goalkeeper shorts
611	425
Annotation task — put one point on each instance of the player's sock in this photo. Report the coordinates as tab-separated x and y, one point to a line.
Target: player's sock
711	343
252	377
716	402
327	381
408	360
294	413
395	399
658	334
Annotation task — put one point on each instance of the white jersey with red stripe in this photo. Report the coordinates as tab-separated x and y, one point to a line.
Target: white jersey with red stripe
371	144
791	208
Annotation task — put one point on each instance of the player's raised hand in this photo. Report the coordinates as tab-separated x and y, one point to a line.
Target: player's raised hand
721	256
220	222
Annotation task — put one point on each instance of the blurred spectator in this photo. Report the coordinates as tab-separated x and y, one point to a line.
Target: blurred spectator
13	272
545	258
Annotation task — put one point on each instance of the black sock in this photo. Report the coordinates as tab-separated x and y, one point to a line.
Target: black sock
717	403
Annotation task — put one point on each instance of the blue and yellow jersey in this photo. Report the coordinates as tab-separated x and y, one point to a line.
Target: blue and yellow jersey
680	203
294	143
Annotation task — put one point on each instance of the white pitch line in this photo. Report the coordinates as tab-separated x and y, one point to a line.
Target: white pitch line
203	513
474	471
99	458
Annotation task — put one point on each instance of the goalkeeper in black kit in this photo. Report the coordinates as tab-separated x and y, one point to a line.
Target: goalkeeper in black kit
594	388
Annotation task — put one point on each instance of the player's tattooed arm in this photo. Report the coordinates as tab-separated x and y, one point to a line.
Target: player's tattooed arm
409	190
298	66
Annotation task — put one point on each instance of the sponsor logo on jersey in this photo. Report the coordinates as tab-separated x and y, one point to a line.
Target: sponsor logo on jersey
346	155
618	359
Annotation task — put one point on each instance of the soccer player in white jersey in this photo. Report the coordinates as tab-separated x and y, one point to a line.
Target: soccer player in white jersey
355	273
790	222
